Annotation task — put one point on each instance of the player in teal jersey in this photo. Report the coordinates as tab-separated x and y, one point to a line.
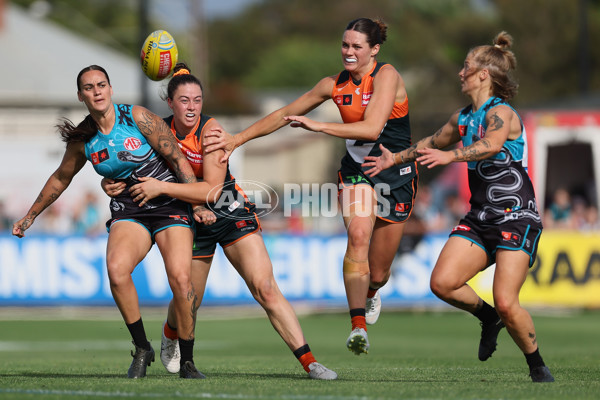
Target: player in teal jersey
503	225
129	142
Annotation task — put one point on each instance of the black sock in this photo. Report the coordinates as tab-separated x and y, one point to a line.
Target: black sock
138	334
186	347
357	312
534	359
486	313
302	350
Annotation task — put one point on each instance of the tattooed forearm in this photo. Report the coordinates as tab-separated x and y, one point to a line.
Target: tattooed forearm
432	142
475	152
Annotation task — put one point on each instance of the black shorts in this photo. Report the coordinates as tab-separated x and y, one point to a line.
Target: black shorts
175	213
394	204
512	235
225	231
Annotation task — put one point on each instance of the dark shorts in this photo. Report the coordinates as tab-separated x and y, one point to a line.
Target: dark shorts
513	235
394	204
225	231
176	213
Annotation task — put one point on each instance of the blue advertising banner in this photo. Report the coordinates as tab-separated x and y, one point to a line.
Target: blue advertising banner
71	270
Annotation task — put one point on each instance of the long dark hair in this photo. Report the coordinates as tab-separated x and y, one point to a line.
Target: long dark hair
87	128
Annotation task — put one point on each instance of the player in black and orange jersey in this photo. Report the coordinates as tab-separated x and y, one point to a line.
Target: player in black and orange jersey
237	228
503	226
373	103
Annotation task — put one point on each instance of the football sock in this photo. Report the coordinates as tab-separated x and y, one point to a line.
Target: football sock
186	347
305	356
534	359
371	292
486	313
138	334
358	318
169	332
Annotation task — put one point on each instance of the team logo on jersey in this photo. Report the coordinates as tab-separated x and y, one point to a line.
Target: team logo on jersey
402	207
462	130
366	97
510	236
343	100
100	156
132	143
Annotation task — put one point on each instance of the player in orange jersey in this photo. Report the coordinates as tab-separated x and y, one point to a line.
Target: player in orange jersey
373	103
236	230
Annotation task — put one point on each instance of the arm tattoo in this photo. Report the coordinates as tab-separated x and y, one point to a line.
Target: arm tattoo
496	122
150	124
473	152
432	142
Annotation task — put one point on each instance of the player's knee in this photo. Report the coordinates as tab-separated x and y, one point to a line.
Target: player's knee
118	274
181	284
439	288
506	308
359	236
265	292
378	278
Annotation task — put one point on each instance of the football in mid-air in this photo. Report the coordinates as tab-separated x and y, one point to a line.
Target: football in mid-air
159	55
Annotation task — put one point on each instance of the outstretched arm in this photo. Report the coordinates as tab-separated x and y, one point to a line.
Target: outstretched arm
444	137
72	162
272	122
499	121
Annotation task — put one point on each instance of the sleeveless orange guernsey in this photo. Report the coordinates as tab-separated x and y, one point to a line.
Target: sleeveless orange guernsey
352	98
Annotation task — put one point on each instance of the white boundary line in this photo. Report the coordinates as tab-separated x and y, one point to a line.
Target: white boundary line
178	395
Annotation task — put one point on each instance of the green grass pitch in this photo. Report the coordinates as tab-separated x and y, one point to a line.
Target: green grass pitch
414	355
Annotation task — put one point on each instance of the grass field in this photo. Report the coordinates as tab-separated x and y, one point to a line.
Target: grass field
430	355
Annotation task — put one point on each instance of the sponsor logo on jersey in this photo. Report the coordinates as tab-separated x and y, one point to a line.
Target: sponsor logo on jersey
405	170
462	130
463	228
480	131
510	236
132	143
240	224
402	207
179	218
347	100
100	156
366	97
233	206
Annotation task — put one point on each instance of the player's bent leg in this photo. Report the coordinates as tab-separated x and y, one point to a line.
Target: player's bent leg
122	255
382	251
250	258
